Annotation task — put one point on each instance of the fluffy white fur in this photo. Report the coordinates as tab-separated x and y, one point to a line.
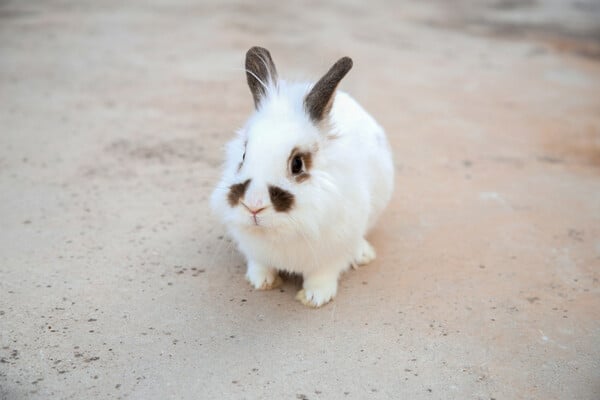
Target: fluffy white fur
351	181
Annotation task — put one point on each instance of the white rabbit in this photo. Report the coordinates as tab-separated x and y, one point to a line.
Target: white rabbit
304	180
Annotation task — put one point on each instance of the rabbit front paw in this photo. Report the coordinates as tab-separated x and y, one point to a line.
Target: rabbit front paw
318	290
364	254
262	278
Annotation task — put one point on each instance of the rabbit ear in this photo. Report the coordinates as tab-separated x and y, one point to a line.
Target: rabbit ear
318	102
260	73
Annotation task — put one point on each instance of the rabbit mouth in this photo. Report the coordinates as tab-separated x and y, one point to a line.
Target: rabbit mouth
255	220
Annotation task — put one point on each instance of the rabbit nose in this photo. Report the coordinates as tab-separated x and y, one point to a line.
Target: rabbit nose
255	211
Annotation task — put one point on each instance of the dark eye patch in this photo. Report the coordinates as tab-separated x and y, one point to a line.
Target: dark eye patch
300	163
236	192
281	199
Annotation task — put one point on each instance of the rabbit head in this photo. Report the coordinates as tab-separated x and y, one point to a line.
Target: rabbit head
276	179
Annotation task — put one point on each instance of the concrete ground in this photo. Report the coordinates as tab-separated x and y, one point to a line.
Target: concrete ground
116	281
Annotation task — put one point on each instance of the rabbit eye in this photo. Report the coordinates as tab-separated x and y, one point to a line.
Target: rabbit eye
296	165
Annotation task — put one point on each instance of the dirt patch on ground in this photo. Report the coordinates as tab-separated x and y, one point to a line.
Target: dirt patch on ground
504	20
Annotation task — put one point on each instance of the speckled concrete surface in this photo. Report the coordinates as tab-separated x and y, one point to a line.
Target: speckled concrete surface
116	282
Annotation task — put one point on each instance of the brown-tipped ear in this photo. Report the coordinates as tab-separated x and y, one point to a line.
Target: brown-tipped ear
260	73
318	102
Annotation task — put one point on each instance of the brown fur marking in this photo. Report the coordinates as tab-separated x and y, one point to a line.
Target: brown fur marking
282	200
319	100
259	64
302	177
236	192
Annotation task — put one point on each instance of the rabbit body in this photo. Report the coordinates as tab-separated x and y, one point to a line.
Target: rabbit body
304	181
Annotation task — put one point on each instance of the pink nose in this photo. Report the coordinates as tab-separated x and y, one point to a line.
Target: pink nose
255	211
